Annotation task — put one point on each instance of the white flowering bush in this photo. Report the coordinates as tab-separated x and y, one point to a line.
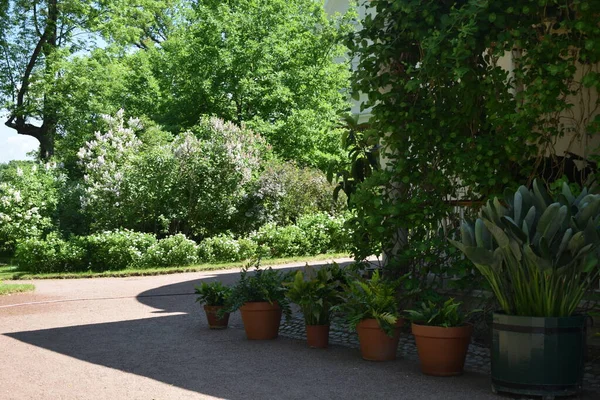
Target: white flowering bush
284	191
193	185
52	254
28	200
325	233
105	160
225	248
282	241
114	250
215	165
176	250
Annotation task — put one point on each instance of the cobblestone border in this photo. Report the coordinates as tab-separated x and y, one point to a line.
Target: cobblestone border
478	358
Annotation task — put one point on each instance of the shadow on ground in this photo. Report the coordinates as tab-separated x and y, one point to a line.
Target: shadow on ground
180	350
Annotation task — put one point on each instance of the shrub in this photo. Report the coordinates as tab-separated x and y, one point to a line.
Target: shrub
114	250
324	233
224	248
52	254
286	241
284	192
28	199
172	251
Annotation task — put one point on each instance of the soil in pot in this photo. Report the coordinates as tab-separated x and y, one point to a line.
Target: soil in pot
375	345
261	320
214	322
317	336
442	351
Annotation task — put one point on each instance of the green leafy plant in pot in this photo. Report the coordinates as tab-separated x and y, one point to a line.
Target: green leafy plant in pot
371	308
442	335
539	256
260	297
214	295
316	292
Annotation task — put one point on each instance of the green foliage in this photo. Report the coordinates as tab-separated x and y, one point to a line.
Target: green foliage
37	38
114	250
267	63
225	247
192	185
9	288
212	294
316	292
51	254
373	298
284	192
449	121
446	314
261	285
538	254
176	250
29	194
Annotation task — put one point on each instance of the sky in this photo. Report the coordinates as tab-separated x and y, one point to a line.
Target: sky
14	146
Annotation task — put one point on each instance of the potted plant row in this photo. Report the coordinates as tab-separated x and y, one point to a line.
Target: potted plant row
540	256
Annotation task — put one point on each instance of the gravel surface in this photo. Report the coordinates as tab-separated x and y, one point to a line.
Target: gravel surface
146	338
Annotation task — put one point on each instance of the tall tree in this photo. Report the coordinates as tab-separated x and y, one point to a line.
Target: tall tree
270	64
36	36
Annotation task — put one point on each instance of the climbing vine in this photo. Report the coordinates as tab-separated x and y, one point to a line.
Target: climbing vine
468	98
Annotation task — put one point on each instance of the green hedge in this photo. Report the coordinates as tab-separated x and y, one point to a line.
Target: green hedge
115	250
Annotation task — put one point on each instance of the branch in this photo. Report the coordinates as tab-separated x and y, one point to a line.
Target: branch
35	20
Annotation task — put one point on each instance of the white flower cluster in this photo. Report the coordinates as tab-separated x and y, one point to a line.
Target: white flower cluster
104	156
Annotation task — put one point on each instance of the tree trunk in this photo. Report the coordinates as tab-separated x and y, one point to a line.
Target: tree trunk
45	133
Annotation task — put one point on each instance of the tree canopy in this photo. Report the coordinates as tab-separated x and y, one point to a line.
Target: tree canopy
275	66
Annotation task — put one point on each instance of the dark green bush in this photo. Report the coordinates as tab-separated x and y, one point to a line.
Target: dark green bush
52	254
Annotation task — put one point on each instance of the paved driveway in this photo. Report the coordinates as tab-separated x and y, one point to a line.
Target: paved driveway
145	338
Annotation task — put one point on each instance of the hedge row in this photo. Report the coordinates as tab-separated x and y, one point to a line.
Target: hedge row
115	250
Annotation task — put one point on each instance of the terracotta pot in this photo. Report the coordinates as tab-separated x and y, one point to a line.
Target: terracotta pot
375	345
317	336
442	351
214	322
261	320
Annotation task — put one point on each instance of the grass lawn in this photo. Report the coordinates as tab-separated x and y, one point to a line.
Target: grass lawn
8	288
8	272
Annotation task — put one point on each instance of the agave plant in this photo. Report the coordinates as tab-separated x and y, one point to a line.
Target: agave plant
539	255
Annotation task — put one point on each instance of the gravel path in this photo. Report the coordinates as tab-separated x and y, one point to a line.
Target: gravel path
145	338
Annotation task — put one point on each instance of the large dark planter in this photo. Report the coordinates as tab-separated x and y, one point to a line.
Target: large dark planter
538	356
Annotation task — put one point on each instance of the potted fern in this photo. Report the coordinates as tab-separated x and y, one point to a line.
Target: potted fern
370	307
213	296
316	292
539	256
260	297
442	336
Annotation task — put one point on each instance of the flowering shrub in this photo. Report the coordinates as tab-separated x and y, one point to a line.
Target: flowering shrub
282	241
224	248
104	160
28	199
114	250
192	185
49	255
324	233
284	191
176	250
